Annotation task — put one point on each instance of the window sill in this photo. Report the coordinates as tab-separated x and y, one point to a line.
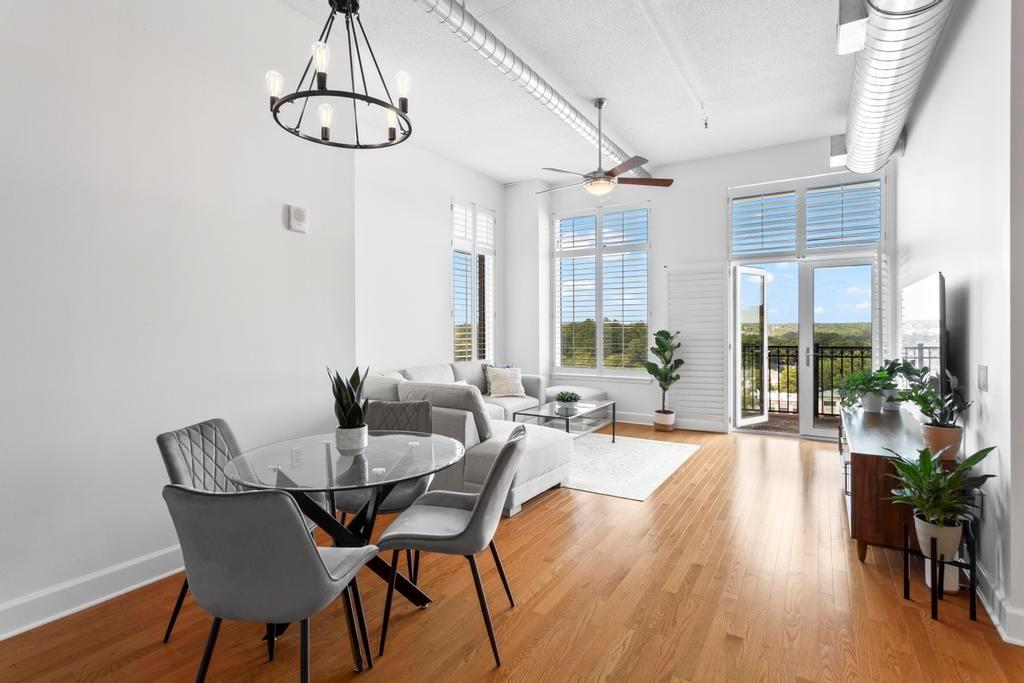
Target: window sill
582	377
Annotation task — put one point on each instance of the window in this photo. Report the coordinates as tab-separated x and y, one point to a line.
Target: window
764	224
601	280
844	216
473	317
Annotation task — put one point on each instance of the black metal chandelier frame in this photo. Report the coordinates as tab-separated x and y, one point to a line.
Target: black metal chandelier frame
318	86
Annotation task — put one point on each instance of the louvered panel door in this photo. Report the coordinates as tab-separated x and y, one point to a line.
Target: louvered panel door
697	307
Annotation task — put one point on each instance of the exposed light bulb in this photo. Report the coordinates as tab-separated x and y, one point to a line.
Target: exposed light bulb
321	59
392	125
404	81
326	112
275	82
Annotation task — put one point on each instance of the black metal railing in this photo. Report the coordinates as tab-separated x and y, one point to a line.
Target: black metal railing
832	364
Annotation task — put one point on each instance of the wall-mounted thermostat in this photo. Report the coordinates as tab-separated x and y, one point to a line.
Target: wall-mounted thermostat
297	217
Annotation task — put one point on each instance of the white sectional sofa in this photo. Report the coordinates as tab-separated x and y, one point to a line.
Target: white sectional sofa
462	410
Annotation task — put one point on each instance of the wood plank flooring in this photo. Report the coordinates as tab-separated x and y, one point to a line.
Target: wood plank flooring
738	568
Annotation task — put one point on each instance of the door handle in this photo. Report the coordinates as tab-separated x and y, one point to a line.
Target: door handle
807	351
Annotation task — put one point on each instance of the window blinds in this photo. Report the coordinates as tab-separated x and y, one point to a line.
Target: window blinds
624	308
462	305
764	224
576	311
844	216
473	257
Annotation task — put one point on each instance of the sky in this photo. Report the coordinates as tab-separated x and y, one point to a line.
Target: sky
842	294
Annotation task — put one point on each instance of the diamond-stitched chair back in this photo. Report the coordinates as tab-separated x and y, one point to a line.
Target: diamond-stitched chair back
399	416
195	456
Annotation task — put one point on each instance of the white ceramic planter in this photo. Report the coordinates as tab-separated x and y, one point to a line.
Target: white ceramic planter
947	544
664	420
943	442
351	441
871	402
890	406
565	407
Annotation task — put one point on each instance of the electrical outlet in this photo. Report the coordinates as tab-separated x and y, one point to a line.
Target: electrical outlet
982	377
298	219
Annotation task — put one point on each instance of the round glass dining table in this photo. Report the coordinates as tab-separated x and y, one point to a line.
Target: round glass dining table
311	469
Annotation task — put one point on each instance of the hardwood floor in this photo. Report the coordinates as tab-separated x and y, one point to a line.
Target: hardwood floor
738	568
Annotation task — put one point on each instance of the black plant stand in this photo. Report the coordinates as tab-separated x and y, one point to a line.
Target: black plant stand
938	573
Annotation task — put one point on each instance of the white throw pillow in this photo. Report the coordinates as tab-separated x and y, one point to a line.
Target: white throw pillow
505	382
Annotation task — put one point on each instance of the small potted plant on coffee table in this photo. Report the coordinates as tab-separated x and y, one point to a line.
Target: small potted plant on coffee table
942	500
352	435
665	371
868	387
565	402
940	433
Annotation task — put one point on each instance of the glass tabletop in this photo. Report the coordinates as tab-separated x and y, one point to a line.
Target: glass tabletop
581	409
312	463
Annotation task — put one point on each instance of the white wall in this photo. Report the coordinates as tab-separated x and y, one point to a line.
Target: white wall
146	279
954	216
404	241
528	263
688	224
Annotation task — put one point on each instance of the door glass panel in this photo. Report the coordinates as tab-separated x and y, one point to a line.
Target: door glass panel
842	334
781	314
751	316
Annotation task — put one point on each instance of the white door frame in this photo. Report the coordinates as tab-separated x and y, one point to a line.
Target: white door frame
806	388
738	273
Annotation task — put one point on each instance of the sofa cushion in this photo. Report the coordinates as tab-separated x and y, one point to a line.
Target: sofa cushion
458	396
472	371
381	387
505	382
546	449
440	373
586	393
497	412
510	404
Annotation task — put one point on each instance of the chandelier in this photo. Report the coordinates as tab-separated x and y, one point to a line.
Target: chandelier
389	125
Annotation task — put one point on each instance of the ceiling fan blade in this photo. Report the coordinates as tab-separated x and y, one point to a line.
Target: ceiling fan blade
627	165
561	170
654	182
561	187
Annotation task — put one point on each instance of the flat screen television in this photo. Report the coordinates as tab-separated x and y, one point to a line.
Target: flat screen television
924	340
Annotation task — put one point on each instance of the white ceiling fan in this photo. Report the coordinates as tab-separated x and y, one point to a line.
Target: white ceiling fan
601	182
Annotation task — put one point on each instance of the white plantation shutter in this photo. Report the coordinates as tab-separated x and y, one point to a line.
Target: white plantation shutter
621	228
697	305
485	307
462	305
473	259
576	312
764	224
844	216
576	232
462	223
484	230
624	309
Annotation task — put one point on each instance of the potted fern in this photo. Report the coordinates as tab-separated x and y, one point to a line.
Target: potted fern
942	500
352	434
665	372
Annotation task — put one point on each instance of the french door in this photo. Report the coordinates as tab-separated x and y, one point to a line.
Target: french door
838	320
751	346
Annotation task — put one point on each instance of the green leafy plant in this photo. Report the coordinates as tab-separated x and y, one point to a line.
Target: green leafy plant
568	397
942	410
349	405
665	370
937	496
856	384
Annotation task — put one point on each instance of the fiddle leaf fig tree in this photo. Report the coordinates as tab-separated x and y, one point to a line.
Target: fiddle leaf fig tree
665	370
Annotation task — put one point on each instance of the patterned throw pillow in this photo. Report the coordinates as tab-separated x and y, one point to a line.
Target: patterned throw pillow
487	367
505	382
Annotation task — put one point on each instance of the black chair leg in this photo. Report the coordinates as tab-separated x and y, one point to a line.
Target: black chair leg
177	609
271	641
387	602
483	607
412	568
357	601
304	651
211	641
501	573
416	573
353	634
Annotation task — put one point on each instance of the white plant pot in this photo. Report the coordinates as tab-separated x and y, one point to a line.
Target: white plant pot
351	441
943	442
947	544
565	407
664	420
890	406
871	402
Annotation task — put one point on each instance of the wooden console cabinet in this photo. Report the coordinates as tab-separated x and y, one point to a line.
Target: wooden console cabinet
863	438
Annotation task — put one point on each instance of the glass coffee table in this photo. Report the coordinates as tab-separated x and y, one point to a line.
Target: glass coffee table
584	418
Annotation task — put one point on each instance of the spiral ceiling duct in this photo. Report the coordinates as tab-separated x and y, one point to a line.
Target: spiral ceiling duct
467	28
901	37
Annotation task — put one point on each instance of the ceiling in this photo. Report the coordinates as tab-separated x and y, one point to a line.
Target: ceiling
766	71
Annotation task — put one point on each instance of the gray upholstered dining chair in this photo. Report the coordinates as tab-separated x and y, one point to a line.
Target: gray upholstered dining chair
458	524
398	416
249	557
195	457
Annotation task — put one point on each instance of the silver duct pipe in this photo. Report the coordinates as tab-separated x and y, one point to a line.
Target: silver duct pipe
464	25
901	37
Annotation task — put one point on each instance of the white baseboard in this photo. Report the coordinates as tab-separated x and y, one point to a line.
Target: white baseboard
1008	620
49	604
648	418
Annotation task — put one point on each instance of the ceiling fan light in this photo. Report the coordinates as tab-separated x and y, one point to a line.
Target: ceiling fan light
599	186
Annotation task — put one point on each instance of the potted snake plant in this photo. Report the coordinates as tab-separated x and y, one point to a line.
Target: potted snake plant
665	371
352	434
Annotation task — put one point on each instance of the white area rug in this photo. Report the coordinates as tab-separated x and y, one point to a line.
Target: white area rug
628	468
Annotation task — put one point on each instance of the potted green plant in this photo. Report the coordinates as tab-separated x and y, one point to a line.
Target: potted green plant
868	387
565	402
665	372
896	368
352	435
940	432
942	500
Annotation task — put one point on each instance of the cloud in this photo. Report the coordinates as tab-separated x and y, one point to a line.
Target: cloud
769	277
863	306
857	290
783	266
819	309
